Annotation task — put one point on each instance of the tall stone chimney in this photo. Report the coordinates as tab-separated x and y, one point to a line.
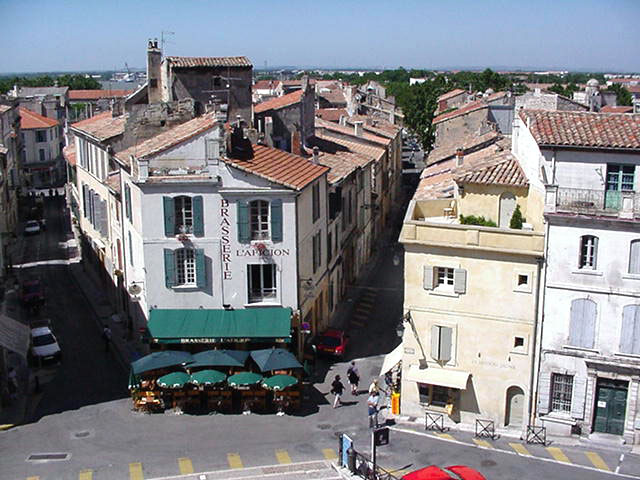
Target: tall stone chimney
154	80
459	157
316	155
357	128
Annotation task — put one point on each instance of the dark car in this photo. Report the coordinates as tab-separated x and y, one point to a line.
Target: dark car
332	342
32	293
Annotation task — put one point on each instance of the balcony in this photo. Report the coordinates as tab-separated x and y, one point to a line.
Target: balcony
620	204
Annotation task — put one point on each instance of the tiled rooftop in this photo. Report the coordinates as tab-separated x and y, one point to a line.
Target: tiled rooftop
468	108
450	94
616	109
97	94
342	164
168	138
349	130
334	97
584	129
102	126
468	144
279	102
38	91
506	171
278	166
371	151
30	120
265	84
69	153
113	181
191	62
331	114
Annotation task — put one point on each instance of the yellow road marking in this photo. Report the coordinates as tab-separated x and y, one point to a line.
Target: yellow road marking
85	474
33	478
482	443
283	456
185	465
446	436
135	471
520	449
597	461
234	460
558	454
329	453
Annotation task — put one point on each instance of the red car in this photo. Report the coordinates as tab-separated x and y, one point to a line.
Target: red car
455	472
332	342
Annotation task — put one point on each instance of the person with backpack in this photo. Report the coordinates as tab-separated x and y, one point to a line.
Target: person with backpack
354	378
337	388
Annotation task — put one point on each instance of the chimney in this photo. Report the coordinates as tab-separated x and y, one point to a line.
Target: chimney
459	157
268	131
305	83
357	128
296	145
316	155
154	80
342	121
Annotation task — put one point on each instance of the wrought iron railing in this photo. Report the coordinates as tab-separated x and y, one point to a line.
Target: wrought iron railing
584	200
365	469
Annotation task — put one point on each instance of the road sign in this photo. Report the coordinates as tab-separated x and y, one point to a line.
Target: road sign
381	436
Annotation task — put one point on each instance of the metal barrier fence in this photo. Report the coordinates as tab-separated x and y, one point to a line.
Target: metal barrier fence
434	421
536	434
485	428
364	469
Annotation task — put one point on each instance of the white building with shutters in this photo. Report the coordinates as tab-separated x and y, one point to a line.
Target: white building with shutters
589	373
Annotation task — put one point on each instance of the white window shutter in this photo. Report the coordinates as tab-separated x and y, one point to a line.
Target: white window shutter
460	280
589	325
446	337
435	342
544	392
427	280
578	397
595	253
634	257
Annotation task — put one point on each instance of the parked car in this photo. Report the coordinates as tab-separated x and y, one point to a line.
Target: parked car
32	293
454	472
332	342
32	227
44	345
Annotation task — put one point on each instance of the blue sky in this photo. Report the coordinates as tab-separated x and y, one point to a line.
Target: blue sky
42	35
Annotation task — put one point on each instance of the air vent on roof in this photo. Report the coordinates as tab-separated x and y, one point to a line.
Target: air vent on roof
177	171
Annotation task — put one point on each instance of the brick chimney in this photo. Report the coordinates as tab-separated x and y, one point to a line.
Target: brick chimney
154	80
296	144
357	128
459	157
316	155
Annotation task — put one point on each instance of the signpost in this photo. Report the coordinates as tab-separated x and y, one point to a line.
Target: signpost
379	438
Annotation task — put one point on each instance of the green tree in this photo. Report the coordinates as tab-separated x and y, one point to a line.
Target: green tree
516	219
418	103
623	96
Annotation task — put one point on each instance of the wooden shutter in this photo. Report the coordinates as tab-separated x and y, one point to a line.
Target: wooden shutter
198	216
104	224
85	200
589	324
630	333
582	326
460	280
435	342
201	269
276	220
169	216
578	396
446	339
127	199
427	279
634	257
595	253
243	222
544	392
169	268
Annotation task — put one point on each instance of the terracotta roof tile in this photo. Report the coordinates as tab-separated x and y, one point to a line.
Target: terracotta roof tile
278	166
102	126
97	94
265	84
506	171
377	126
584	129
633	88
342	164
376	153
113	181
468	144
191	62
279	102
69	153
331	114
450	94
349	130
30	120
468	108
616	109
334	97
168	138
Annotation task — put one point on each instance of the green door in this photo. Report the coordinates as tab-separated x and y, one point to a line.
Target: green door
611	404
620	178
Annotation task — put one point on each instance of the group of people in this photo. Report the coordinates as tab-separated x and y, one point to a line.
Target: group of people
373	400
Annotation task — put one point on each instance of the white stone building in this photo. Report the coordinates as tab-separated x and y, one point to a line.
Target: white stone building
42	146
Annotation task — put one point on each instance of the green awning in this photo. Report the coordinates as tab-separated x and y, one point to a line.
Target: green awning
173	380
207	377
279	382
216	326
243	379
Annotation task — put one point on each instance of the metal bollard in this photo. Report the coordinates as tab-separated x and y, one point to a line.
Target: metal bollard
351	459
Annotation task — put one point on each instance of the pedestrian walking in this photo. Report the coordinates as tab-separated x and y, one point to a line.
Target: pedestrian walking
106	336
337	388
372	409
354	378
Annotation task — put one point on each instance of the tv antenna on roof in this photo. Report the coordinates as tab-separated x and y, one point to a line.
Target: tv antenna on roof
163	40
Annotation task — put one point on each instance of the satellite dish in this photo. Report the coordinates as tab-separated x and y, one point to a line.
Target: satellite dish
135	289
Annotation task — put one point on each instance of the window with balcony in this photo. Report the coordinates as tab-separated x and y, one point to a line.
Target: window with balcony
620	178
261	280
259	218
561	392
588	252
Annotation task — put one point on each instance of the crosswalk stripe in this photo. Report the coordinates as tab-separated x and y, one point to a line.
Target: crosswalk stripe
185	465
558	454
234	460
33	478
85	474
446	436
597	461
135	471
329	453
520	449
482	443
283	456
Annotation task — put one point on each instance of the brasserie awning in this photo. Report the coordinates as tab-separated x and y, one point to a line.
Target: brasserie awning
262	324
438	376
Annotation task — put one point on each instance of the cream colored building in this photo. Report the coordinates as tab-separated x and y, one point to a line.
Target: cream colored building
471	297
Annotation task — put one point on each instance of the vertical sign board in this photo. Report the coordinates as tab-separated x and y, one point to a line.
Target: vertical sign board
346	444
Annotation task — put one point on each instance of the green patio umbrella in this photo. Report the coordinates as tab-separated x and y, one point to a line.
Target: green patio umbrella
220	358
158	360
243	379
274	359
134	381
207	377
173	380
279	382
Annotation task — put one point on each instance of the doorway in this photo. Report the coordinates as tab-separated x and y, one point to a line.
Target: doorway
620	178
507	207
610	407
515	407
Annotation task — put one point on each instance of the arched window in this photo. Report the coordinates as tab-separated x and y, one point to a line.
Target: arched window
588	252
634	257
582	328
259	219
